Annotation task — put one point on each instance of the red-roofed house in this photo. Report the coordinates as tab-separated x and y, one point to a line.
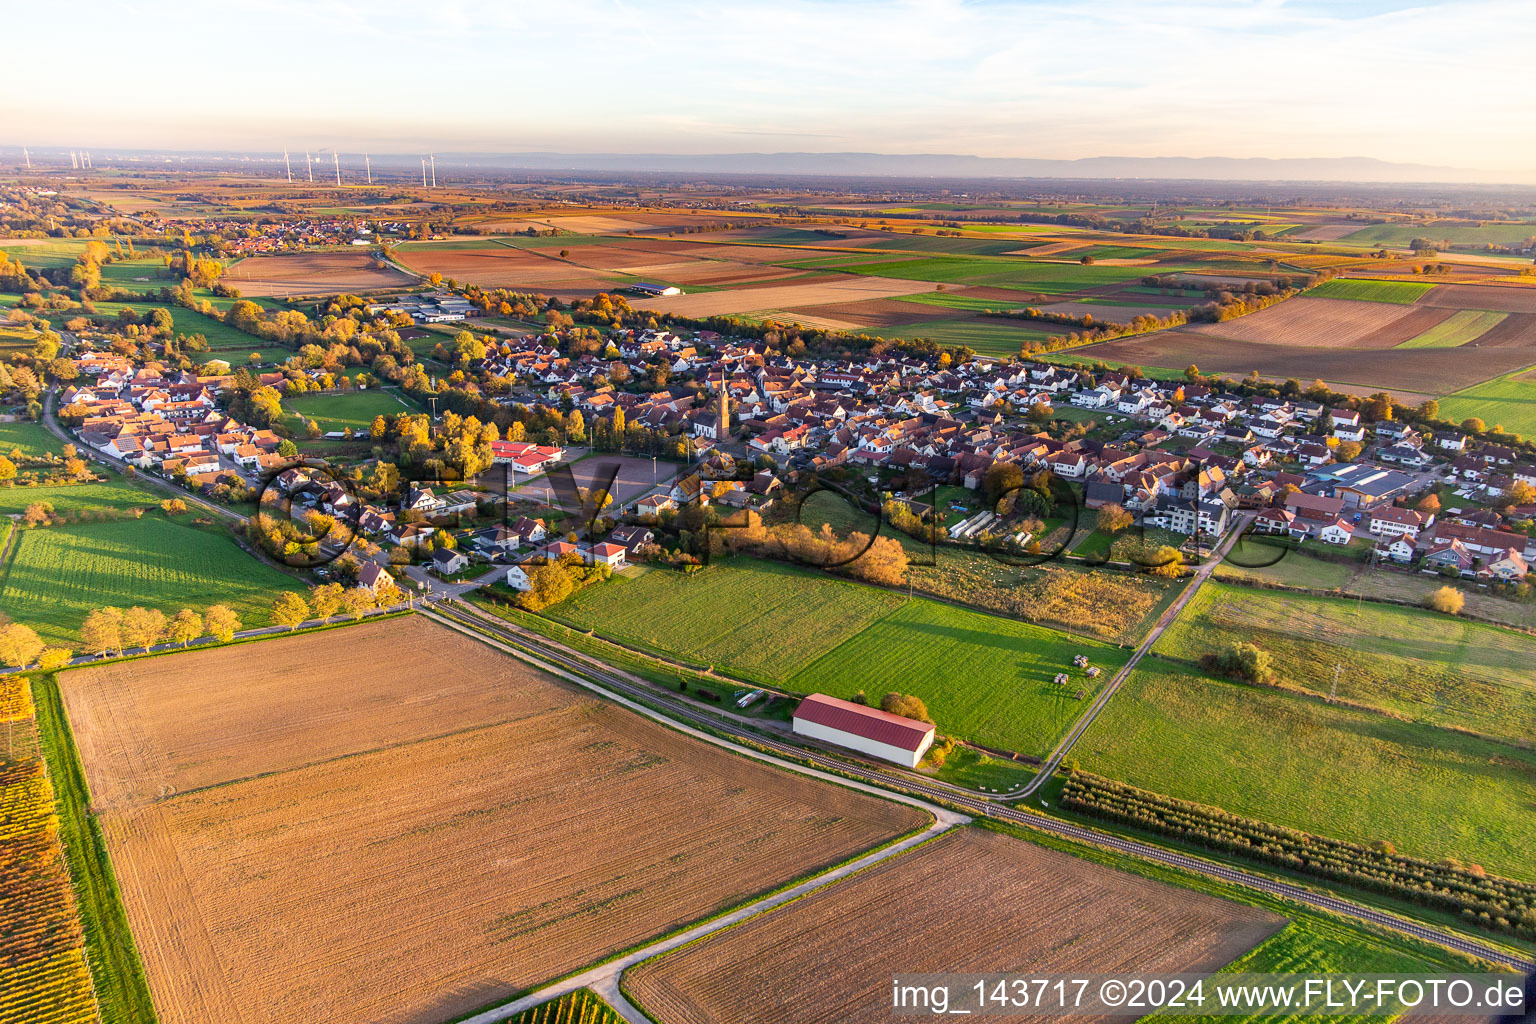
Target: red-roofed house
865	729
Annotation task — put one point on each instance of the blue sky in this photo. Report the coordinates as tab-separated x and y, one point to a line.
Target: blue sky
1440	83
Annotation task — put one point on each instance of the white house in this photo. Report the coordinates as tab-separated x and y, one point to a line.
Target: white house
868	730
517	578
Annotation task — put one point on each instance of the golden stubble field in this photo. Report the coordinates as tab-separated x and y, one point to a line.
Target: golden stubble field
970	902
393	822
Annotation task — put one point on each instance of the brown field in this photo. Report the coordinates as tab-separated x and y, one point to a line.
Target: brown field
1325	323
506	268
973	901
880	312
846	288
1517	330
1501	299
1403	372
1325	232
395	823
319	273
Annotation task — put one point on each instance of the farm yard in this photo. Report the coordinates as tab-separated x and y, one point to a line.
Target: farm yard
1003	901
1407	661
309	818
58	574
1325	769
982	677
44	978
317	273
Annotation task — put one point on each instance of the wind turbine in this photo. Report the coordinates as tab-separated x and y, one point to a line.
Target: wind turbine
88	160
433	158
309	165
369	167
27	157
74	161
336	159
423	172
287	166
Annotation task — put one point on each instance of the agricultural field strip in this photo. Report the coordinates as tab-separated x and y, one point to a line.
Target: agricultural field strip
990	807
197	762
944	819
1460	328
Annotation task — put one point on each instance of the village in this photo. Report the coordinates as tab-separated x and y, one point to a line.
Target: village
1182	456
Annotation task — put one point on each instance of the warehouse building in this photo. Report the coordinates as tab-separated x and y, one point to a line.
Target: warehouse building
865	729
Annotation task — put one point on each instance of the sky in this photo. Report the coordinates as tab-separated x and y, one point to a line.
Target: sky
1447	83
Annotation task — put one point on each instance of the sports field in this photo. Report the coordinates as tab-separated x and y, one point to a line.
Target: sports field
1321	768
1508	401
982	677
1403	292
1408	661
59	574
353	410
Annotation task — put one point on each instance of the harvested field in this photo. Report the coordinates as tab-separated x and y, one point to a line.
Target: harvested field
506	267
1424	371
276	828
1007	906
1323	323
838	289
1324	232
318	273
878	312
1502	299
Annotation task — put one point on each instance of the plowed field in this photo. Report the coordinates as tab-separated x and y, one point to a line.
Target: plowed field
317	273
392	822
973	901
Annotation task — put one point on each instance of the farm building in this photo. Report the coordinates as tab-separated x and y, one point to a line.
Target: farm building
865	729
646	288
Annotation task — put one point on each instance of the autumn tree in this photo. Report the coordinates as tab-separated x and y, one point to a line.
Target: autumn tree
7	470
999	479
1430	504
1447	600
54	657
186	626
906	705
102	631
19	645
1473	425
325	599
143	627
289	609
1519	493
547	585
356	601
1113	518
221	622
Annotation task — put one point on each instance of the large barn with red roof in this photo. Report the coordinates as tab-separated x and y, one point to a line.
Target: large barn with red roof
865	729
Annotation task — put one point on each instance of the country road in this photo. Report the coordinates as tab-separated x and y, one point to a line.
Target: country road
603	678
1202	573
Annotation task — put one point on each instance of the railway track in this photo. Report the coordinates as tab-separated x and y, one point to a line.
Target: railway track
971	803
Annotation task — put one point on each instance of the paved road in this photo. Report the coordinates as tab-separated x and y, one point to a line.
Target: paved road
1202	573
564	660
